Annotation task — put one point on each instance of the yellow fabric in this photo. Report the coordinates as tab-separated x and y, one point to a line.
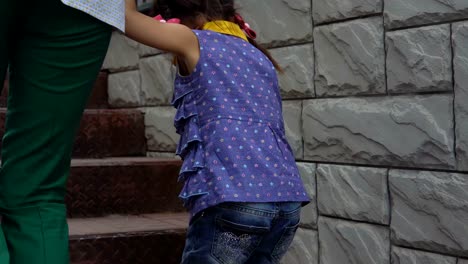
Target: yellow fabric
225	27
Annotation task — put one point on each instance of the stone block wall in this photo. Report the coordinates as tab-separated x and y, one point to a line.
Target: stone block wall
376	109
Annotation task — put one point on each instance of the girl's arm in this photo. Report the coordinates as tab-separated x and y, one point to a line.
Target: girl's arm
175	38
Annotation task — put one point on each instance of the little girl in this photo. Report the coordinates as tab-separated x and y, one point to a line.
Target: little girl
242	186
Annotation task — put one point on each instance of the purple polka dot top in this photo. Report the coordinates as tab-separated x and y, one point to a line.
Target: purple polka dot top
229	117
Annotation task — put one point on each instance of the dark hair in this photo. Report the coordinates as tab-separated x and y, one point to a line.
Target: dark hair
211	9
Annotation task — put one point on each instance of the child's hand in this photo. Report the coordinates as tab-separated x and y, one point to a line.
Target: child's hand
175	38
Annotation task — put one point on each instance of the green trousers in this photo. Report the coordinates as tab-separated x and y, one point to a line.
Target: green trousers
53	54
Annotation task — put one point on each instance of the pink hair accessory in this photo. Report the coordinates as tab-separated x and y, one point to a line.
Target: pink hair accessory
244	26
171	21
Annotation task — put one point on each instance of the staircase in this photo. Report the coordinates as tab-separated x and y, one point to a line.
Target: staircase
122	207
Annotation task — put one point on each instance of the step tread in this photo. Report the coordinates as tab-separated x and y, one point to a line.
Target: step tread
80	228
119	239
123	161
98	111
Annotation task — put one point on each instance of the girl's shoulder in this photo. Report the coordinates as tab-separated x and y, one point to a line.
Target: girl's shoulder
218	49
215	41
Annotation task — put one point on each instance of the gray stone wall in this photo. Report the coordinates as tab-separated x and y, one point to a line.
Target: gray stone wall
376	110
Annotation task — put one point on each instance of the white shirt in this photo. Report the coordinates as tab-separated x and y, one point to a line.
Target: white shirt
111	12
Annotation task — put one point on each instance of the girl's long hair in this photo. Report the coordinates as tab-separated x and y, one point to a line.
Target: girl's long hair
211	9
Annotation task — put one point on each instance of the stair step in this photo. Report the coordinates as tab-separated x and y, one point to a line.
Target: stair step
106	133
144	239
99	187
98	99
111	133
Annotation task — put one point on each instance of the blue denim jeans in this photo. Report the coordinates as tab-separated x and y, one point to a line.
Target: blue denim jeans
242	233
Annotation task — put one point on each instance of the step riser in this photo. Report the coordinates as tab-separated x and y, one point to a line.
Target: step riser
95	191
137	249
106	133
110	133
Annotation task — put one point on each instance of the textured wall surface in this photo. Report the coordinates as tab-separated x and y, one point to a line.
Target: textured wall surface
376	111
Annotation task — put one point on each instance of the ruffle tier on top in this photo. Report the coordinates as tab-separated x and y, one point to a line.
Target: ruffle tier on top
190	147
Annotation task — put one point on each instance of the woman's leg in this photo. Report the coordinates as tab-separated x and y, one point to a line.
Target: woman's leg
56	55
6	10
